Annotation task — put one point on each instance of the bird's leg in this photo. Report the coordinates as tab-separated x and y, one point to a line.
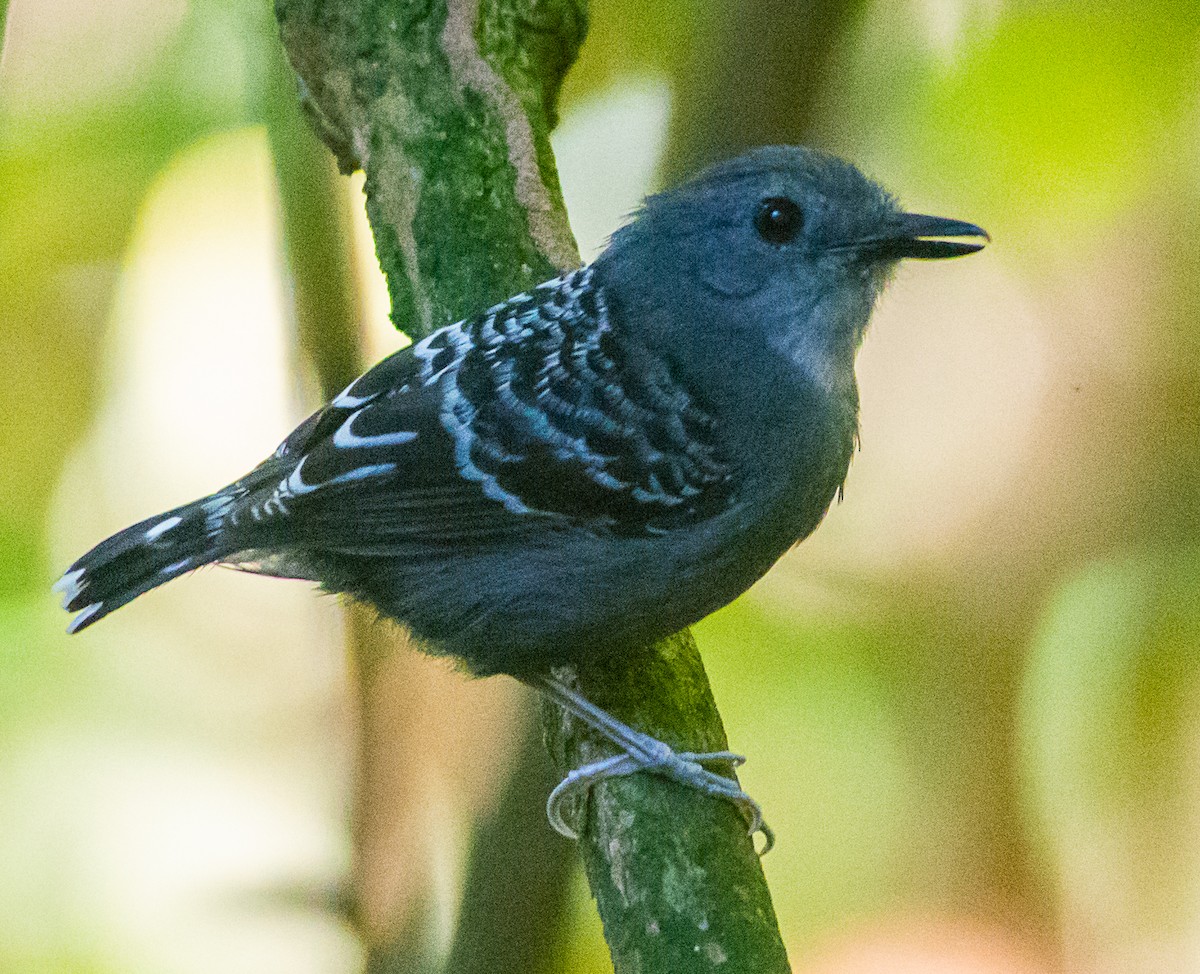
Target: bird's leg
641	752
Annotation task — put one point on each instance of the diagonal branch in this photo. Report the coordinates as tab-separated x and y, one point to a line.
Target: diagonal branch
447	106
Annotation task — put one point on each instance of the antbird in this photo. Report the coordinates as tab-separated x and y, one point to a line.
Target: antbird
592	465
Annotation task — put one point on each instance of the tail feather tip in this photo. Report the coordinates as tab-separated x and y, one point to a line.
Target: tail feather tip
69	585
84	616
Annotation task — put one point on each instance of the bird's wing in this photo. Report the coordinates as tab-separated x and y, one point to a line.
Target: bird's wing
532	415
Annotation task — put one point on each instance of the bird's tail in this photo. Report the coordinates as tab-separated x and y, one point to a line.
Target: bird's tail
142	557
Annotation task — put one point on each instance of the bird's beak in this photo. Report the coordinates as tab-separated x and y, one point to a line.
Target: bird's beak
925	237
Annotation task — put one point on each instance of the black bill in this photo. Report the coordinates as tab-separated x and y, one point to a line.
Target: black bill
924	237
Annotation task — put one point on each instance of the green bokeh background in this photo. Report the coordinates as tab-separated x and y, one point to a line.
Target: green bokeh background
971	700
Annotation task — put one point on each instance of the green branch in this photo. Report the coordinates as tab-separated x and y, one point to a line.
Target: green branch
447	106
675	876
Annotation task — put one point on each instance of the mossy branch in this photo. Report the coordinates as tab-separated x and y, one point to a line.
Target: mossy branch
447	106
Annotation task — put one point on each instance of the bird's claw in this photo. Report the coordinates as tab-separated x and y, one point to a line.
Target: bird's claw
730	790
580	780
686	767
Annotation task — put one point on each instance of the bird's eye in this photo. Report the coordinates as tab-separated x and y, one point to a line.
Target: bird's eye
778	220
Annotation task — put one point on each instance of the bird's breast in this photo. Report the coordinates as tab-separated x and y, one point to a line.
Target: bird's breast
792	480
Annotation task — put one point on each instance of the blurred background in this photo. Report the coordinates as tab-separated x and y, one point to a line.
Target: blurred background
971	700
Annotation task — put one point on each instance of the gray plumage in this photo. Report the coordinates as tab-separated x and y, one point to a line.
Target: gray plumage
592	465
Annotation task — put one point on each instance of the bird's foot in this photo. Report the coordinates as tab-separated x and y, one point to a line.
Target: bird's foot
686	767
641	752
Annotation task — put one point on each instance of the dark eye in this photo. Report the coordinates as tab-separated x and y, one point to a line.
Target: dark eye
778	220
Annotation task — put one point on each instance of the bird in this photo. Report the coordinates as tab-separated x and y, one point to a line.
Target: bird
591	465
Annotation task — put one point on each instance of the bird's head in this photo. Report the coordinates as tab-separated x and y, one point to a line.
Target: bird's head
784	244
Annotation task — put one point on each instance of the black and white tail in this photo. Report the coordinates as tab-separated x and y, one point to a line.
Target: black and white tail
142	557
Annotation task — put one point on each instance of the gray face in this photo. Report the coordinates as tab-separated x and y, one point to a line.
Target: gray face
786	242
795	241
780	215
